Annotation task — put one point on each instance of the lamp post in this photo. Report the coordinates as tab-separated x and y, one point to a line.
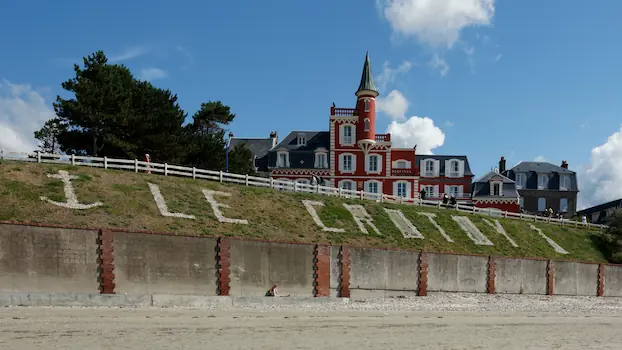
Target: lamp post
227	151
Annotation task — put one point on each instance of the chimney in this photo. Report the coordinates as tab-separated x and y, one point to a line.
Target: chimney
275	138
501	165
564	164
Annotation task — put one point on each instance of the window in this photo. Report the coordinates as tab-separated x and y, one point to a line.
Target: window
429	168
283	160
564	182
453	191
372	187
373	163
563	205
520	180
346	185
543	181
401	164
366	124
321	160
496	189
401	190
348	135
367	105
521	202
347	163
454	168
541	204
429	191
302	139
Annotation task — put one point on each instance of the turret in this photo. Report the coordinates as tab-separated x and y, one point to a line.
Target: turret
366	108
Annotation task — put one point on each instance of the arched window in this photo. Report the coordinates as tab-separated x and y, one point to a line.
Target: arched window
367	105
366	124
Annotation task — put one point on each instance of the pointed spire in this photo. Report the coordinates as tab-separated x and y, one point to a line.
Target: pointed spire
367	80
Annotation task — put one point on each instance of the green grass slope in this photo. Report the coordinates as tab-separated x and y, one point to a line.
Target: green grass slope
272	215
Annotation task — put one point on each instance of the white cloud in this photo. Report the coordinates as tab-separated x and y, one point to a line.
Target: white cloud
601	179
440	64
128	54
436	22
389	74
152	74
539	159
394	105
419	131
498	57
22	112
449	124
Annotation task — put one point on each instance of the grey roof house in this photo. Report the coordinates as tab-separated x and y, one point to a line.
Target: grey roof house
482	187
259	147
298	150
600	213
543	185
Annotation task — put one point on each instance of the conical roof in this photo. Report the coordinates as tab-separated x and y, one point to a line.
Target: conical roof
367	80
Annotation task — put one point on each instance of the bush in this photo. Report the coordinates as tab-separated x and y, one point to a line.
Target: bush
611	238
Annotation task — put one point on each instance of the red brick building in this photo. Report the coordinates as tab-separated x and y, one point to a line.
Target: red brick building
351	155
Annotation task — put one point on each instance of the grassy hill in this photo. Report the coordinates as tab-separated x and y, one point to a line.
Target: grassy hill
272	215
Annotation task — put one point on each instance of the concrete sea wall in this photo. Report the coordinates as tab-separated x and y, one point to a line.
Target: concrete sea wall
43	259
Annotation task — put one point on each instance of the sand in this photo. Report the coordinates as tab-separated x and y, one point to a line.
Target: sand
150	328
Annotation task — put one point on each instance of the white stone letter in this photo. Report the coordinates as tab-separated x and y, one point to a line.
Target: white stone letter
209	195
361	216
157	196
497	226
402	223
309	205
551	242
70	194
471	230
431	217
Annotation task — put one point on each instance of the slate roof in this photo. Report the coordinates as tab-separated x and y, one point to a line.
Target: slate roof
540	167
609	205
367	79
481	186
442	159
532	169
259	146
301	156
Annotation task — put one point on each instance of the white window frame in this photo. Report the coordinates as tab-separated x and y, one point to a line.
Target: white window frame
342	158
543	200
366	124
560	205
377	183
366	105
523	179
318	160
496	186
564	178
342	135
279	164
301	139
368	168
406	185
452	172
543	184
401	164
429	191
352	185
453	190
432	172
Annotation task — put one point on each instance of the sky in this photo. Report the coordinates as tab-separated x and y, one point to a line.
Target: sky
528	80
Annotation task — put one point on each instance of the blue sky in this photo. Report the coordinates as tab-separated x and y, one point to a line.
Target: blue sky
522	79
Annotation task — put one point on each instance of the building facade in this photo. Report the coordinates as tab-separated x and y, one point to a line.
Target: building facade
543	185
599	214
352	156
493	190
259	147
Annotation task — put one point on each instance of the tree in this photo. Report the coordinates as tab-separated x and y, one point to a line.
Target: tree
48	136
242	160
205	136
611	238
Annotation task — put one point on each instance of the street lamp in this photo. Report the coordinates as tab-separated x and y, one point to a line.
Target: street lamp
227	142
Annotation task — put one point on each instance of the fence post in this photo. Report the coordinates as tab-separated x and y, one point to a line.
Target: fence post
38	156
295	186
271	182
505	214
105	162
473	209
246	180
362	194
194	172
135	165
165	169
73	159
339	192
220	176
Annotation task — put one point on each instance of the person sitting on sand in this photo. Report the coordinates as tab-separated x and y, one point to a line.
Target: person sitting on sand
274	292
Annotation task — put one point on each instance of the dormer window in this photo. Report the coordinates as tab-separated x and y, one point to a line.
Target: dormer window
302	140
496	189
564	182
543	181
282	159
366	124
367	105
321	158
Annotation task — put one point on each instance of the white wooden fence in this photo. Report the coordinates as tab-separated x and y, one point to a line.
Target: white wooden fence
286	185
